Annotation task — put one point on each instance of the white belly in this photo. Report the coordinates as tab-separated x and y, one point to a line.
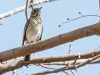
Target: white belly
33	34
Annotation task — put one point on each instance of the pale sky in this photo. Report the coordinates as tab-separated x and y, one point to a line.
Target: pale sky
52	15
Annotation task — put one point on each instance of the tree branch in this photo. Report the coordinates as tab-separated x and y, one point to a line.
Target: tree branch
53	60
66	68
4	15
72	62
26	10
52	42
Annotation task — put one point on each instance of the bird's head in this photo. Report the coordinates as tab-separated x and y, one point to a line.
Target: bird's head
36	12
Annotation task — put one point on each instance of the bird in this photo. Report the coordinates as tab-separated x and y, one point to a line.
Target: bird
33	30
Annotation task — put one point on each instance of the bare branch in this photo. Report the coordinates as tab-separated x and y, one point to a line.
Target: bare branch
66	72
52	42
72	62
66	68
26	10
47	67
70	48
97	48
48	61
14	71
32	1
73	72
51	71
4	15
88	61
11	66
77	18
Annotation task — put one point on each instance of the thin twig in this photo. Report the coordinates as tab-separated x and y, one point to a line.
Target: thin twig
97	48
77	18
45	66
32	2
73	72
77	56
66	72
26	10
70	48
14	71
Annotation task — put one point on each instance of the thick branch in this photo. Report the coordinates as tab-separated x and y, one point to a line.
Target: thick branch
52	42
56	59
22	8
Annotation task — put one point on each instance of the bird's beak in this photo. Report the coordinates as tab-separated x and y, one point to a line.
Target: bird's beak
40	7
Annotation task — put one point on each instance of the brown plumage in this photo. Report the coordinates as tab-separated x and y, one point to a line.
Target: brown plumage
33	30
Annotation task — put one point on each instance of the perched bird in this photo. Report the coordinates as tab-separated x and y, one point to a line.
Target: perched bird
32	30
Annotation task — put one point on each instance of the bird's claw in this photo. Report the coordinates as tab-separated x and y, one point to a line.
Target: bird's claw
26	63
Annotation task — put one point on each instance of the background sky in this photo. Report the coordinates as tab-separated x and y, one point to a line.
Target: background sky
52	15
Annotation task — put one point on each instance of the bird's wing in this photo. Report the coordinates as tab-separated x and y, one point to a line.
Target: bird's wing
41	33
24	33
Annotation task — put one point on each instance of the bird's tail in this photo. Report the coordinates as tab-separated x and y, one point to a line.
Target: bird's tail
27	58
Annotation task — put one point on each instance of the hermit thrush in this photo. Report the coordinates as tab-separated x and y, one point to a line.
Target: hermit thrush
32	30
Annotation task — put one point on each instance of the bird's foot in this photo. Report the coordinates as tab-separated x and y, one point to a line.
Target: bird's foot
26	63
